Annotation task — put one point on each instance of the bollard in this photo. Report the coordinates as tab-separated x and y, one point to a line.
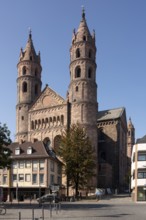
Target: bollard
32	214
42	212
19	215
50	210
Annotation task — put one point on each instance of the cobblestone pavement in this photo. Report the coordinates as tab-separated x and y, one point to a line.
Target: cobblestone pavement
117	207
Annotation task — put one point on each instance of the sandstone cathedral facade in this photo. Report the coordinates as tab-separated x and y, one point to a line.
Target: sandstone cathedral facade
42	114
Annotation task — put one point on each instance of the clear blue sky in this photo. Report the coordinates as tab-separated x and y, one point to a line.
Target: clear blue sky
120	27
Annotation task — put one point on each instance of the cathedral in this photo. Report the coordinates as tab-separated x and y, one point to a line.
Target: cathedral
42	114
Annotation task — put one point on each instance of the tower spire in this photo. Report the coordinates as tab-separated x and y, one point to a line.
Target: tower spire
83	12
30	35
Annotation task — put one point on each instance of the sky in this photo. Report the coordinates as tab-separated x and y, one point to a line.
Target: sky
120	27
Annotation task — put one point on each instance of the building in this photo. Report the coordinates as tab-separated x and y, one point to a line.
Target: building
138	170
112	148
34	171
43	114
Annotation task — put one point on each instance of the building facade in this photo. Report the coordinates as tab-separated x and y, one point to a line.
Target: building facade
42	115
138	170
34	171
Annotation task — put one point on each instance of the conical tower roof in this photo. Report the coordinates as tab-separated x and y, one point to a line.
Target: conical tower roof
83	33
29	51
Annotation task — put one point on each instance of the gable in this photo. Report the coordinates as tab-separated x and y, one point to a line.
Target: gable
48	98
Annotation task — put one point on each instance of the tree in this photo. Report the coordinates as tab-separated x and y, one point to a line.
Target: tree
78	155
5	140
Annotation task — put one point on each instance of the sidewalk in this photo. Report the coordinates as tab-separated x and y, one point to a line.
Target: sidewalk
124	198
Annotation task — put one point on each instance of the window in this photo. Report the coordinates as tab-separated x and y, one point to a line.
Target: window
142	156
42	164
21	164
36	89
32	125
52	166
22	118
14	164
34	165
24	87
27	178
29	150
4	179
77	88
59	169
134	157
14	177
51	179
57	141
84	38
77	53
34	178
17	151
27	164
24	70
141	174
21	177
90	54
78	72
41	178
59	180
36	72
89	73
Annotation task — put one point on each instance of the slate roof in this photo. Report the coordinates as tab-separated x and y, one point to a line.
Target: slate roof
141	140
39	150
110	114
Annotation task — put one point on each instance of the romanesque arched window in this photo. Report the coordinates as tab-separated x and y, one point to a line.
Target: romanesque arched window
36	72
84	38
47	143
62	120
36	124
36	89
77	88
77	72
24	70
58	120
90	72
46	122
57	141
54	120
32	125
50	121
90	53
24	87
43	123
77	52
39	123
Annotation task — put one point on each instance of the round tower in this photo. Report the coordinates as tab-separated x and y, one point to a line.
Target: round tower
83	87
28	87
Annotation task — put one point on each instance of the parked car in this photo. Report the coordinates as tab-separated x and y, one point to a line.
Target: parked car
53	198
